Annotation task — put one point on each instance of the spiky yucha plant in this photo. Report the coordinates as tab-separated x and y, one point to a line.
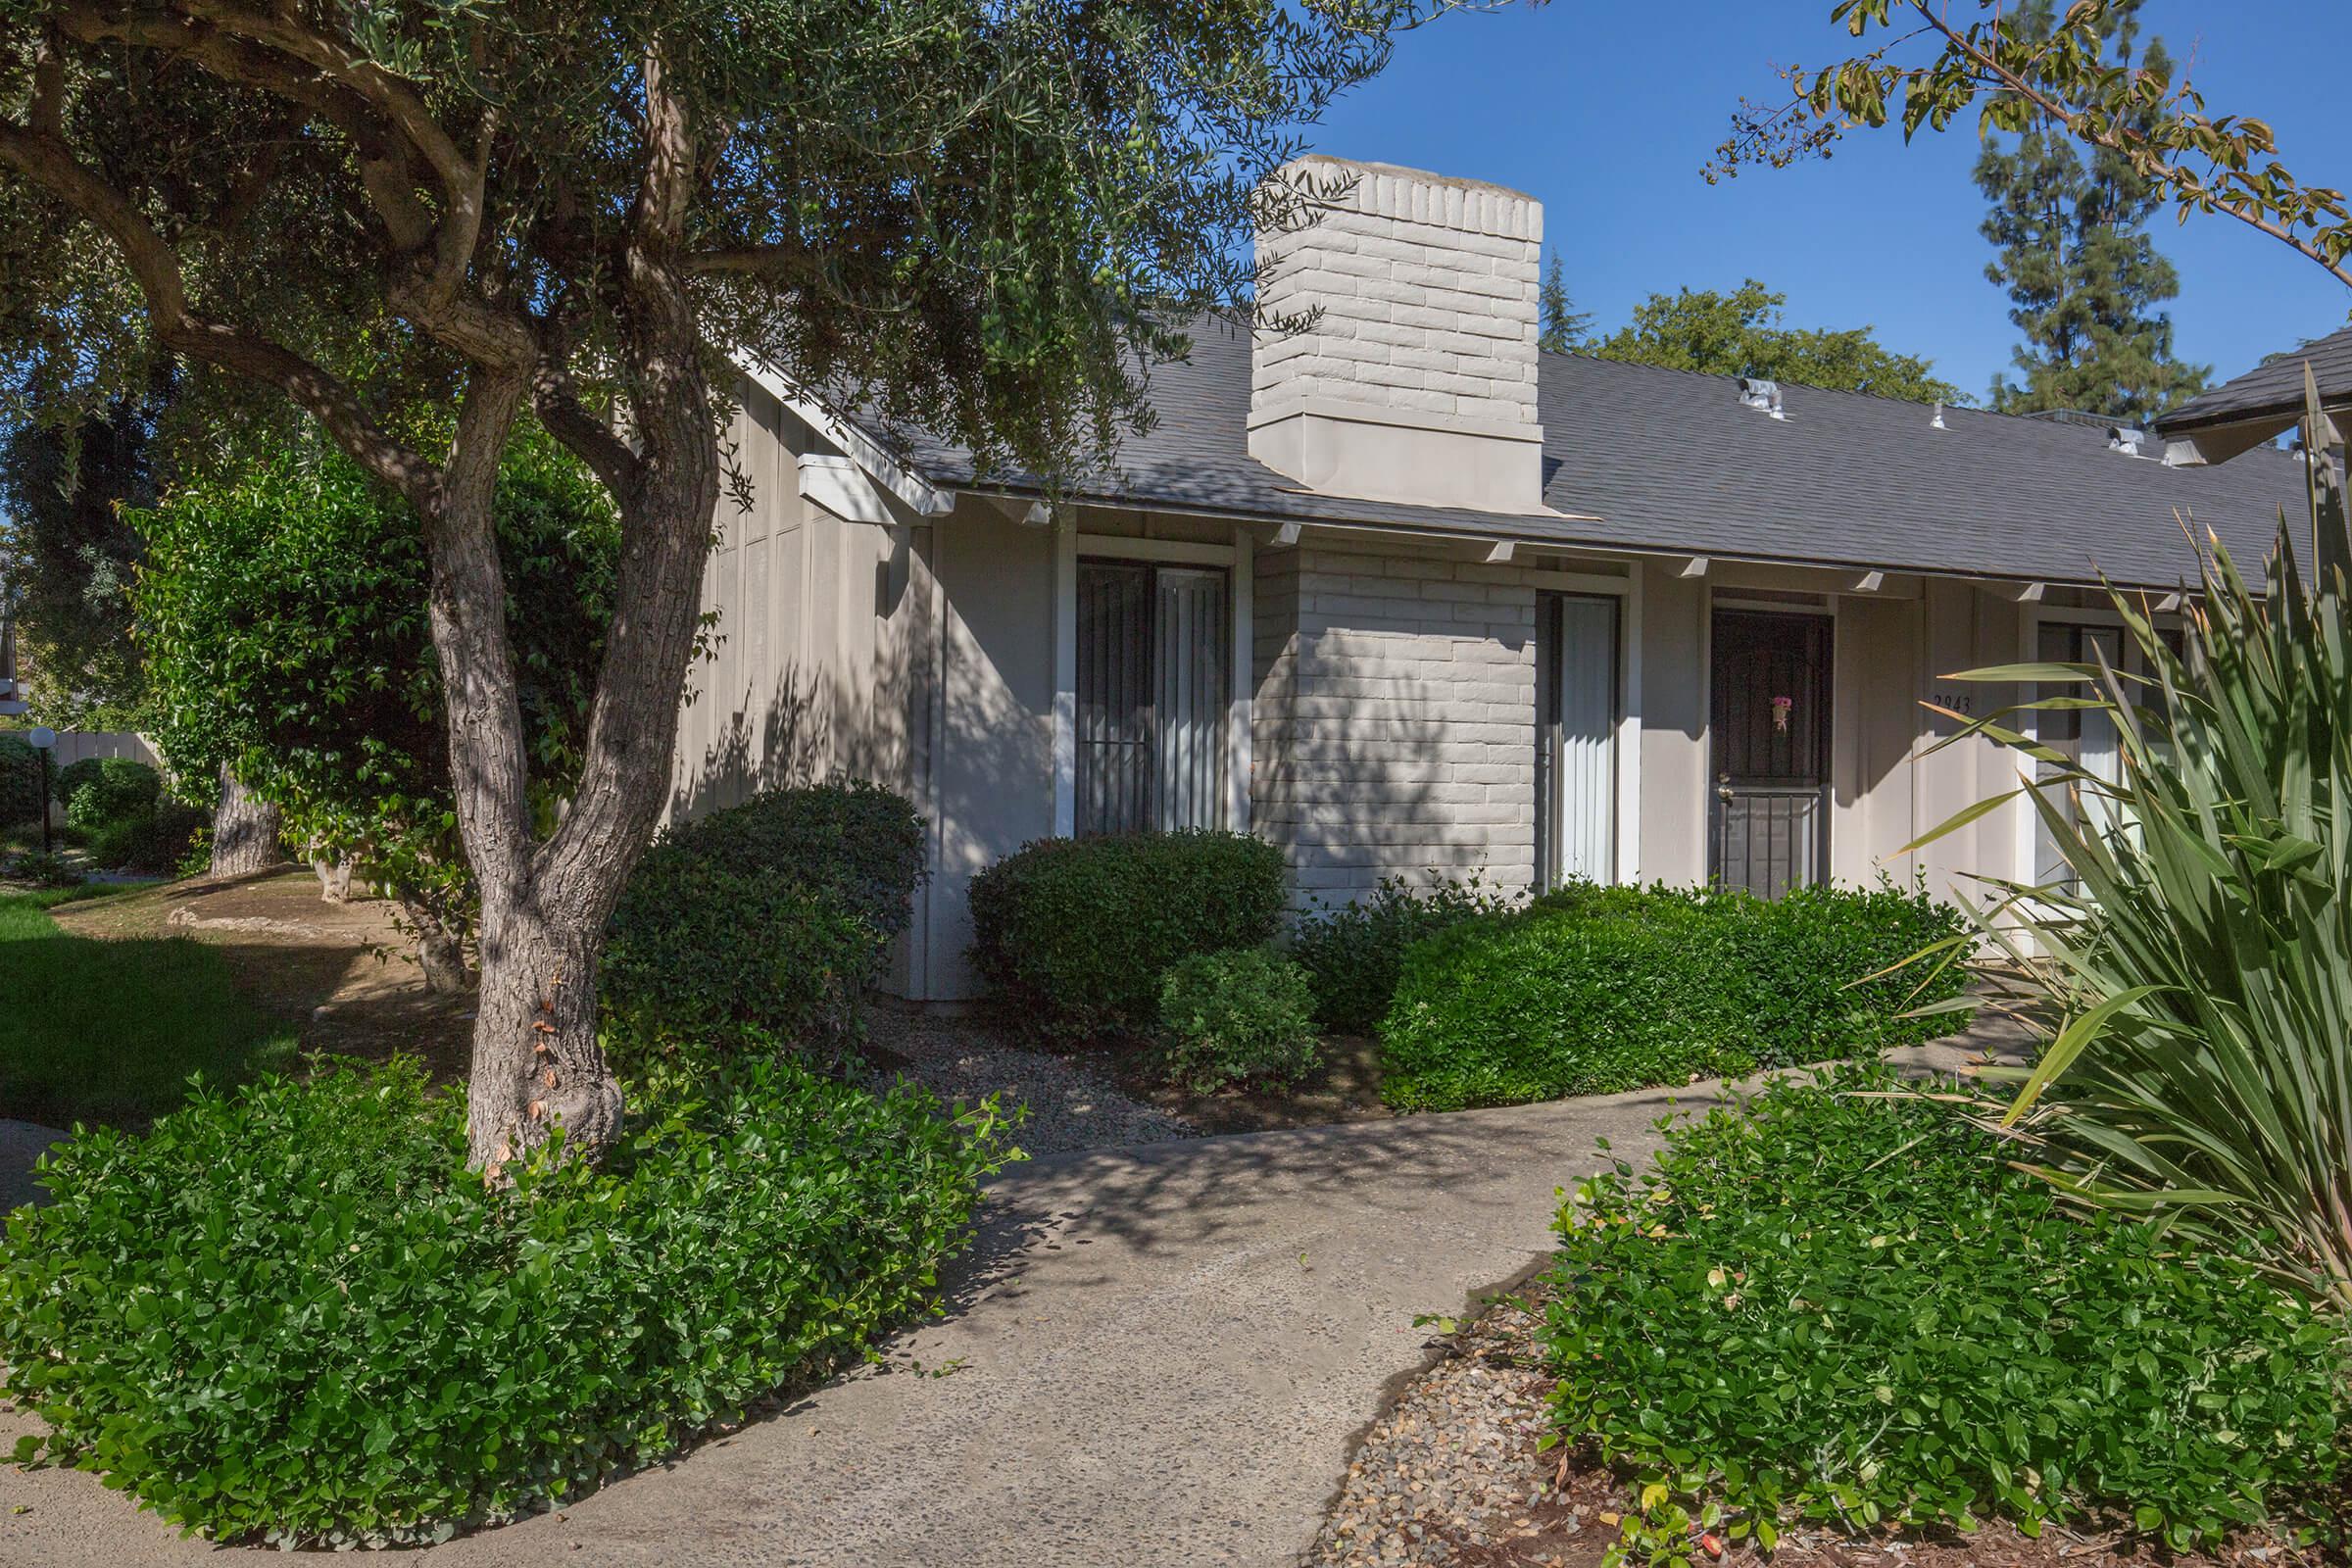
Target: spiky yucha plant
2192	983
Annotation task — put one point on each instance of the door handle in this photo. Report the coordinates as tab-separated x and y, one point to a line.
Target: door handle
1723	791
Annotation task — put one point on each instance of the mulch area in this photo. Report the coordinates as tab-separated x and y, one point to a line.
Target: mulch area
1450	1477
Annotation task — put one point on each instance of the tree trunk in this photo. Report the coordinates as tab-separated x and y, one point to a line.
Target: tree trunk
536	1060
440	945
245	830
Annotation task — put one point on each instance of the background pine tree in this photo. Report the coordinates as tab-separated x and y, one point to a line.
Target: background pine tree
2086	283
1563	327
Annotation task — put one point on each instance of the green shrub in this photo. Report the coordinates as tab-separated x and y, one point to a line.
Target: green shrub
112	788
44	870
1075	932
1852	1310
1352	954
1596	990
153	842
775	914
20	782
292	1313
1236	1017
64	781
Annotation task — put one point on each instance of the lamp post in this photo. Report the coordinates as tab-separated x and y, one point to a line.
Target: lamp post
44	741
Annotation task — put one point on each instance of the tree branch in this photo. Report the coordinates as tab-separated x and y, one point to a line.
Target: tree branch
757	260
556	401
50	166
2191	188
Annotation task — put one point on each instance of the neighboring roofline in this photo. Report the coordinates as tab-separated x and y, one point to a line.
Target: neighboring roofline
2289	410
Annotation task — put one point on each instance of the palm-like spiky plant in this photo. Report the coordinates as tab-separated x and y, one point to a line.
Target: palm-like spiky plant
2194	985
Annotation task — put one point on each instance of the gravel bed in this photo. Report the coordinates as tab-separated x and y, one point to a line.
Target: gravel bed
1448	1474
1071	1103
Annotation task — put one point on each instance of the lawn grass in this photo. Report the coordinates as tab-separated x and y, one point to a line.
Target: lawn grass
109	1031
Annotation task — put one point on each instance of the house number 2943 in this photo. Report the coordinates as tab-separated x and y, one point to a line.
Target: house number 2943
1958	701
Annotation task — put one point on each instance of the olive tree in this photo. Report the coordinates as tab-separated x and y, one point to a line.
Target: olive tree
979	216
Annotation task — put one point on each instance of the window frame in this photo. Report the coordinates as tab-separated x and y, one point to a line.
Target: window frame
1152	568
1236	561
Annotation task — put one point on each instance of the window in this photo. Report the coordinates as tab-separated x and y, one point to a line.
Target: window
1153	682
1575	695
2083	736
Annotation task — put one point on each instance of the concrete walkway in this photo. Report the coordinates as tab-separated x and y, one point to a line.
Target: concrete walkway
1156	1355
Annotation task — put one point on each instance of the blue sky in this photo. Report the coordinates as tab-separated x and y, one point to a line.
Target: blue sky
1606	112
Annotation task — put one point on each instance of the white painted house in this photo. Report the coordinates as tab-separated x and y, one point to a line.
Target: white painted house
1403	593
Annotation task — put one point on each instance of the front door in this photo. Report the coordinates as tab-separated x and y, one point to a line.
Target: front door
1770	718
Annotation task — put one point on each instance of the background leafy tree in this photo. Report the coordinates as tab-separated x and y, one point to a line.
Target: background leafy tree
976	217
284	617
1563	327
69	552
2085	280
1741	334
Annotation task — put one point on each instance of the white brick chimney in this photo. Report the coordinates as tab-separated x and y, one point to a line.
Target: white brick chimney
1417	383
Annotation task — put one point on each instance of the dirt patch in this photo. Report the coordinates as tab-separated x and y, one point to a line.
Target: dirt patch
341	974
1344	1087
1449	1476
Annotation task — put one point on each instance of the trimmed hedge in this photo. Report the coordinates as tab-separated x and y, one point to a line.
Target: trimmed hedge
1236	1017
774	915
293	1314
1840	1307
1595	989
106	790
1075	932
1352	954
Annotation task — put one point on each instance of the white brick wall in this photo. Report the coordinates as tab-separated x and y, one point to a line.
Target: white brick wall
1428	291
1394	723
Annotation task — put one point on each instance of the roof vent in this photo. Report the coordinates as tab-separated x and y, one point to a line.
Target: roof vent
1937	423
2127	439
1757	393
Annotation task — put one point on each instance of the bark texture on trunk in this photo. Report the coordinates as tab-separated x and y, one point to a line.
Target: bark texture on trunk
536	1060
245	830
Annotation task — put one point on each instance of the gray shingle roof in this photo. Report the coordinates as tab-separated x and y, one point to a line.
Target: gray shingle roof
1669	461
2272	389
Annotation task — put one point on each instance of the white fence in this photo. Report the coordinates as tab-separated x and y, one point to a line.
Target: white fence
73	746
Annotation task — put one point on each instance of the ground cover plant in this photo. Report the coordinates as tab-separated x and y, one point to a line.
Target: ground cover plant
1354	954
108	1031
775	914
1073	934
1239	1018
1832	1304
290	1312
1595	989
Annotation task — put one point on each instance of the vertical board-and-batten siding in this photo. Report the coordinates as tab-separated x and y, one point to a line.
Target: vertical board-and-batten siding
1395	724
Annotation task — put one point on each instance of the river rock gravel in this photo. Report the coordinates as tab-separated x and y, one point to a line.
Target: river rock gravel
1072	1103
